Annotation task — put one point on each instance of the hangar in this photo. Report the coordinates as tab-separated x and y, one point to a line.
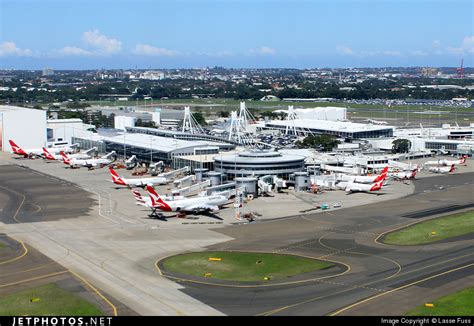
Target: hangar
27	127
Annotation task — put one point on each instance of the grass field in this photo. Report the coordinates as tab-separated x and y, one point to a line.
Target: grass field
457	304
445	227
241	266
234	104
53	301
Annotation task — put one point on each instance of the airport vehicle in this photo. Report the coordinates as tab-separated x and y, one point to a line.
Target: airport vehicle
364	179
403	175
195	205
445	162
136	182
442	169
36	152
80	156
352	187
90	163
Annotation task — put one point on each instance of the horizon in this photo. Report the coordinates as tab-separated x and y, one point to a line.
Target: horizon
261	34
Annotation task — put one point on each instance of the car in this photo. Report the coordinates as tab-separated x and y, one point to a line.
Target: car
336	205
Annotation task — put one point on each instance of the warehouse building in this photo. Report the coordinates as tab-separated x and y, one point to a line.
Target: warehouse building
27	127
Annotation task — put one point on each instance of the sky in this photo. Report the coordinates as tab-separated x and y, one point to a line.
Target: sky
154	34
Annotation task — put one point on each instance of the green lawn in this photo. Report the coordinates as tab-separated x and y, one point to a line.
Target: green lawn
53	301
242	266
445	227
457	304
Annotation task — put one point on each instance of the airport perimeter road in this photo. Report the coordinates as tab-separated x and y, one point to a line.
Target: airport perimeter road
379	276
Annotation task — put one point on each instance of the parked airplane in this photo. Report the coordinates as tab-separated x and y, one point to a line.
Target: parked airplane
461	161
352	187
137	182
402	166
376	122
146	201
443	170
445	162
403	175
195	205
79	156
365	179
36	152
90	163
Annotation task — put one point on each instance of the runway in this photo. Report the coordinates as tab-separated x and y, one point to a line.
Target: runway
384	273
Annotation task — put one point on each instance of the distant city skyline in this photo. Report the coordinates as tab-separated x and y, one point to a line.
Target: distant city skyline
147	34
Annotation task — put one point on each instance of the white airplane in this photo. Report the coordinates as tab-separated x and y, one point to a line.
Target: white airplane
146	201
402	166
79	156
90	163
352	187
445	162
136	182
37	152
195	205
376	122
461	161
443	169
403	175
365	179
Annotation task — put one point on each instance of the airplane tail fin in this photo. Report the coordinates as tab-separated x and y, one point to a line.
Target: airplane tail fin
47	154
156	200
66	159
377	186
453	168
16	149
117	179
383	175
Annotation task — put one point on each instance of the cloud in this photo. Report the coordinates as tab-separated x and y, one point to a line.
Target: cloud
101	43
217	54
74	51
419	53
263	50
96	45
467	46
436	43
345	50
149	50
10	49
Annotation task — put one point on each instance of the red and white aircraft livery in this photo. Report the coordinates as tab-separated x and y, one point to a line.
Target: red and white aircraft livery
195	205
38	152
136	182
443	170
365	179
445	162
403	175
91	163
79	156
361	187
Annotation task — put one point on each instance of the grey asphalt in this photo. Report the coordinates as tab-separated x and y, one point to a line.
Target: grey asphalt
347	236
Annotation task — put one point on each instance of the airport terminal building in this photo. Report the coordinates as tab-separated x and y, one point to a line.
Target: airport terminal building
258	163
339	129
